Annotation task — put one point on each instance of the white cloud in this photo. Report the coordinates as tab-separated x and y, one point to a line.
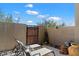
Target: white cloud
16	12
16	18
29	22
29	5
55	18
31	12
41	16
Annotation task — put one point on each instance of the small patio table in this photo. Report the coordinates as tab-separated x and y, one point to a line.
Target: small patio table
35	46
42	51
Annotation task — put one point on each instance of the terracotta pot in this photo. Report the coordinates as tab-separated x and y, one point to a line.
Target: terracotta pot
73	50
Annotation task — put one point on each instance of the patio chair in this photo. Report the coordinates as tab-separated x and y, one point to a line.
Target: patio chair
39	52
26	49
33	46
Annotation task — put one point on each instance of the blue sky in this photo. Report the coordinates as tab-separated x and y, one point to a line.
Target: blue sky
33	13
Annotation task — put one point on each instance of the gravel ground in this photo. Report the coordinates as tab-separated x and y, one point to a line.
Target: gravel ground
56	51
18	51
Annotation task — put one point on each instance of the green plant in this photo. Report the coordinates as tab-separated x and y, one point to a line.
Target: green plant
9	19
5	18
50	24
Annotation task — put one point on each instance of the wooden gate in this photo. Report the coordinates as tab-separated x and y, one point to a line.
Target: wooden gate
32	35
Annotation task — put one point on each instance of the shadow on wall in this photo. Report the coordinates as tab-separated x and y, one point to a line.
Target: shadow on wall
7	33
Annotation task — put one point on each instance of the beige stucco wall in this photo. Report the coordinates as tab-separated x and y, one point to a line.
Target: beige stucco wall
8	33
6	41
59	36
20	32
77	14
77	34
77	22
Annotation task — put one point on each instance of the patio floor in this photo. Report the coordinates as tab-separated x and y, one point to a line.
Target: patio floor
56	51
12	52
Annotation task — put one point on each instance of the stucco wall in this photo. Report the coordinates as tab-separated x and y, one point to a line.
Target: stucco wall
20	32
77	14
59	36
8	33
77	22
77	34
6	41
